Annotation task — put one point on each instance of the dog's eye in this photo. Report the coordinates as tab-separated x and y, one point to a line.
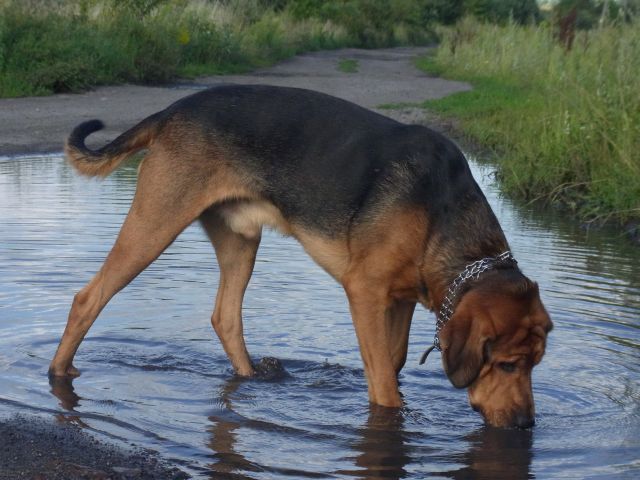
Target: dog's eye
508	367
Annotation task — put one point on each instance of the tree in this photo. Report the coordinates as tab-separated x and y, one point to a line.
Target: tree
500	11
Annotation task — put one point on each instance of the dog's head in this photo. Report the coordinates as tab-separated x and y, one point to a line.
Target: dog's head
490	345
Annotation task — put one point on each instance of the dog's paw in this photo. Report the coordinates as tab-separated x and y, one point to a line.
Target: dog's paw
70	371
269	368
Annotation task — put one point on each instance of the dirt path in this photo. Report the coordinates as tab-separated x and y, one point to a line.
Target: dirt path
40	124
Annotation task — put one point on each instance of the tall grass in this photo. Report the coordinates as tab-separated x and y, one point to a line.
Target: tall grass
565	124
49	46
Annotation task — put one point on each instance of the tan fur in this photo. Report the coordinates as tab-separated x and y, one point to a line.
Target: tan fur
103	165
236	255
389	250
383	283
174	189
247	218
332	254
514	330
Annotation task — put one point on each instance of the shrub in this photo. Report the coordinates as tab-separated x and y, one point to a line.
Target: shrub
51	46
566	124
503	11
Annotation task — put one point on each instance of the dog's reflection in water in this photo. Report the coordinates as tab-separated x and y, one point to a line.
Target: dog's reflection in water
383	449
223	439
62	389
495	453
387	450
379	452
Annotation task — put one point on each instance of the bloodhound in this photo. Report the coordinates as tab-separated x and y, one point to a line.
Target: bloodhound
390	211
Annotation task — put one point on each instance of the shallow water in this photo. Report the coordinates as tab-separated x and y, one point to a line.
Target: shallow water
153	373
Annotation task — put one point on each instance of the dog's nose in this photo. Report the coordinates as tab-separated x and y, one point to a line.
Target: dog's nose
524	421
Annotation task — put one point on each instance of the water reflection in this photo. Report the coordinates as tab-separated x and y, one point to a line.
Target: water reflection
62	389
383	447
496	453
223	436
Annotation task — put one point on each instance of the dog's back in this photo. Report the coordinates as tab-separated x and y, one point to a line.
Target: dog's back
320	160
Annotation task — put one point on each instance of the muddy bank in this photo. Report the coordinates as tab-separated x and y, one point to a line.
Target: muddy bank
34	448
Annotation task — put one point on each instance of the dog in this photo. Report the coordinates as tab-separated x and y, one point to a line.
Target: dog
390	211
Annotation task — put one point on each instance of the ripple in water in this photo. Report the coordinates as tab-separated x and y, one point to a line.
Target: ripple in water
154	374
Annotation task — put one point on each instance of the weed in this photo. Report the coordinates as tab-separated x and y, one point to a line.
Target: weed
348	65
565	124
61	46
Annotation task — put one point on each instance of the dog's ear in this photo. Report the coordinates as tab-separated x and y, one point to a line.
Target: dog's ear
542	325
464	341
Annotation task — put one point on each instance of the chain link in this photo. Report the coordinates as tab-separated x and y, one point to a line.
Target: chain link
470	272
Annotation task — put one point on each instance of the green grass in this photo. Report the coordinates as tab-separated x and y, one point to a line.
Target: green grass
348	65
397	106
49	46
565	126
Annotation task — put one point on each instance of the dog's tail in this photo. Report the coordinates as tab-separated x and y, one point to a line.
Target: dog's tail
103	161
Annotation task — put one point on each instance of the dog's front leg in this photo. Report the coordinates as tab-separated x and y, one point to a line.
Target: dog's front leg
368	306
399	317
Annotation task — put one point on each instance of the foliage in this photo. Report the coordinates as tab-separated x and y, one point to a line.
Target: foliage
566	124
414	12
139	7
590	13
372	22
445	12
49	46
502	11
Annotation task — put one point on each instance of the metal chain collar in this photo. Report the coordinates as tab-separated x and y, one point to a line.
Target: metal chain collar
470	272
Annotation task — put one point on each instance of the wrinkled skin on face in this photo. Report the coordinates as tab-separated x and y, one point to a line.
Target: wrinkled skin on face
490	345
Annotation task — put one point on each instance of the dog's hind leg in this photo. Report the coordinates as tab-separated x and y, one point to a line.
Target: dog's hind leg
236	257
399	317
161	209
